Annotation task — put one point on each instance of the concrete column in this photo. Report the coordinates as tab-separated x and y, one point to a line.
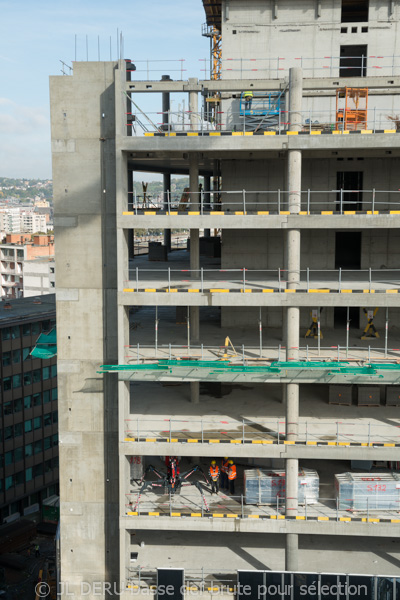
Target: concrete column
292	552
293	245
194	108
195	392
131	233
194	243
166	190
207	199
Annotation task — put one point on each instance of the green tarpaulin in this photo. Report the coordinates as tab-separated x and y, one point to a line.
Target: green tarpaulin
46	345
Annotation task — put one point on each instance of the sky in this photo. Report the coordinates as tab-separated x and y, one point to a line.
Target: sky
35	35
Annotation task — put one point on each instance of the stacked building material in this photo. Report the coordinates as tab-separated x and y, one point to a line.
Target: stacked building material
372	491
267	487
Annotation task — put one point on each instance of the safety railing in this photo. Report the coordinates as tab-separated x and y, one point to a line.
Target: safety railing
268	430
260	280
141	246
324	66
154	69
250	355
233	120
274	67
185	504
243	202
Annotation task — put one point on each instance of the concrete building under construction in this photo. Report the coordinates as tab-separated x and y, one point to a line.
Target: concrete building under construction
273	339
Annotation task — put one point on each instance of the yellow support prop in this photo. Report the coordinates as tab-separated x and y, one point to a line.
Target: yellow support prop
313	329
370	329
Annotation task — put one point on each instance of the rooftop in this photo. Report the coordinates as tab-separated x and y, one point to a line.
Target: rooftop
25	309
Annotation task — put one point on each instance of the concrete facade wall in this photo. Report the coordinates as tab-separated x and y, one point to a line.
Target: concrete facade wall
318	175
294	29
83	145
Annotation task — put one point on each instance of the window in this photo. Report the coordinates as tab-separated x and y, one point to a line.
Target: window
17	429
8	433
28	425
46	325
47	443
18	405
28	450
20	254
9	458
54	370
26	329
18	454
15	332
27	378
7	408
26	353
16	381
46	396
54	394
353	61
47	466
28	402
55	439
37	400
355	11
47	420
28	474
56	461
37	447
35	328
7	384
37	422
5	334
6	359
36	375
9	482
55	416
16	356
19	478
38	470
45	373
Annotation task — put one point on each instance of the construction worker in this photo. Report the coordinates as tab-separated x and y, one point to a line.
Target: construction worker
213	471
224	473
248	98
231	477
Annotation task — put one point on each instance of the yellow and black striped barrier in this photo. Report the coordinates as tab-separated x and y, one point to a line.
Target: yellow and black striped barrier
265	442
255	291
262	517
149	213
258	133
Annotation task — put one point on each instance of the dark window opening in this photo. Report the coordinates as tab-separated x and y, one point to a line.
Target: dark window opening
351	182
355	11
353	61
348	251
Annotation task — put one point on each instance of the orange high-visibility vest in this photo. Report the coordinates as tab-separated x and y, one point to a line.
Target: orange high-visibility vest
232	472
214	471
225	466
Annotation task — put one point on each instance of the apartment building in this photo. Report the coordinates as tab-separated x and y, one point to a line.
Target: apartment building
294	141
29	425
39	277
18	249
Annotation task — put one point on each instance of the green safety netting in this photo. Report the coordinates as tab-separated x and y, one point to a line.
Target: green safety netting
46	345
274	368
